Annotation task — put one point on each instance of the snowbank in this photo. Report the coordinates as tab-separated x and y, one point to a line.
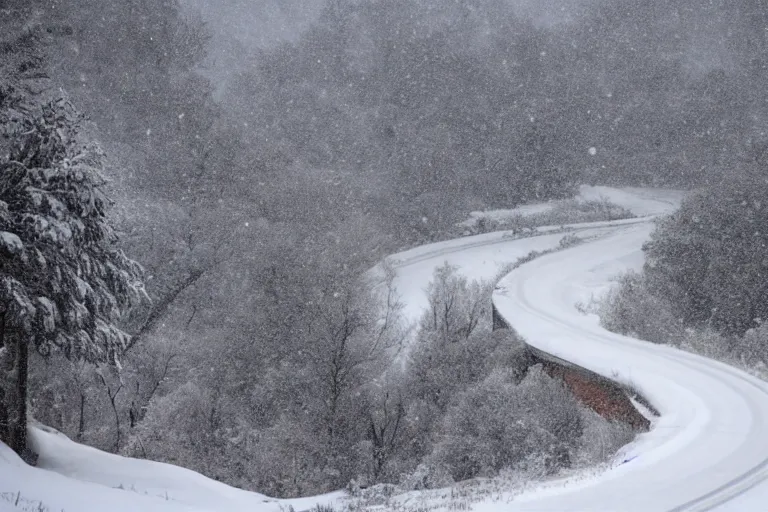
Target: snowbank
76	478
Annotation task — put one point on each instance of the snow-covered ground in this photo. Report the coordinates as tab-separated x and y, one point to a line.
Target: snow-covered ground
707	447
74	478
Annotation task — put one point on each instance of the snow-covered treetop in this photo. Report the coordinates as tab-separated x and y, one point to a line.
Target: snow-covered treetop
63	282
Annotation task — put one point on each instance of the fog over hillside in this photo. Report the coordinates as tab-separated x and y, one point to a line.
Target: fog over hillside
240	27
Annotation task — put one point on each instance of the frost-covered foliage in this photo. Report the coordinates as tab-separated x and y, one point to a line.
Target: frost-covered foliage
501	424
632	308
63	282
704	282
184	423
457	308
708	258
753	346
562	212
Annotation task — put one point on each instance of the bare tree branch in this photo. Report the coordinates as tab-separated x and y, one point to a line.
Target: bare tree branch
162	306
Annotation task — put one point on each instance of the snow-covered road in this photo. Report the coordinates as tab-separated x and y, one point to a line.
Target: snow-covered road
707	450
709	444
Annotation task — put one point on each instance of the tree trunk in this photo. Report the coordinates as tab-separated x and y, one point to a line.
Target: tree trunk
4	431
13	395
81	422
5	366
18	428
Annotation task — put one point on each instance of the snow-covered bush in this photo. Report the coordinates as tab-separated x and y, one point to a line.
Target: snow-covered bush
640	306
708	258
180	428
631	308
455	346
754	345
430	474
592	210
293	459
708	342
438	371
570	211
601	439
498	424
457	307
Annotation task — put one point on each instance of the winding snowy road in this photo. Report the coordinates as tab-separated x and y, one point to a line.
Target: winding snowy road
709	448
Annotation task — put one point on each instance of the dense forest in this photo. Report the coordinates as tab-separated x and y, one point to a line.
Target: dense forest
256	196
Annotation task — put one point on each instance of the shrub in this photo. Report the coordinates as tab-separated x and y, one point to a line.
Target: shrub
632	309
457	308
708	343
427	475
439	371
498	424
180	428
601	439
593	210
708	258
754	345
570	211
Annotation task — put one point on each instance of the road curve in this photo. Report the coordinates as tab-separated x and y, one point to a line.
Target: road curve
709	445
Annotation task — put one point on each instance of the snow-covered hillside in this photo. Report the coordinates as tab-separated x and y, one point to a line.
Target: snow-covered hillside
706	448
74	478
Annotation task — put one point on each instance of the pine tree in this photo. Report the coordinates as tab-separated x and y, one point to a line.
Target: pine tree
64	284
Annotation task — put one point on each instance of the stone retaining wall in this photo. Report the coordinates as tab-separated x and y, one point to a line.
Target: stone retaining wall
609	399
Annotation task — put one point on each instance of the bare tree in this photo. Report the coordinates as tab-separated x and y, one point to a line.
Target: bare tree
113	389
